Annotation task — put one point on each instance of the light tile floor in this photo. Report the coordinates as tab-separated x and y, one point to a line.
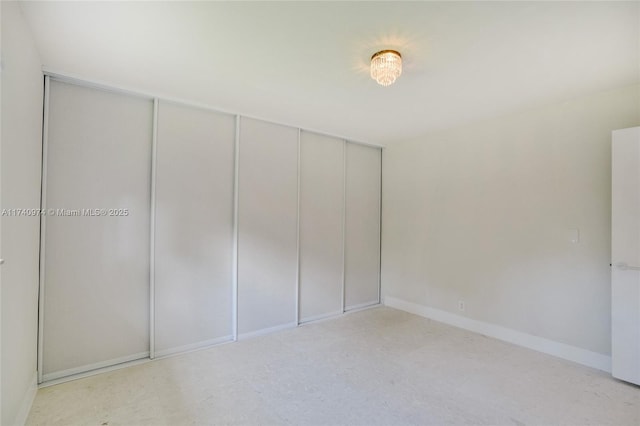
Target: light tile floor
375	367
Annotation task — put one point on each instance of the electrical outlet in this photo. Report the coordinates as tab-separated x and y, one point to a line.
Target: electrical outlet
461	305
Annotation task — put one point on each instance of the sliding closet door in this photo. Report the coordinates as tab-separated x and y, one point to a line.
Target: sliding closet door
267	217
362	242
321	225
96	265
194	227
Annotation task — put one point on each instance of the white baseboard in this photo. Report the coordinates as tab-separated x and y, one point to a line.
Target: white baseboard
192	347
540	344
27	401
262	332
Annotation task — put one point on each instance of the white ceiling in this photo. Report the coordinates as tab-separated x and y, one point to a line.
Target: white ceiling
306	63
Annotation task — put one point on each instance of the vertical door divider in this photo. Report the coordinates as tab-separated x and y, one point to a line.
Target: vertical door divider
380	235
234	266
152	235
344	225
298	237
43	226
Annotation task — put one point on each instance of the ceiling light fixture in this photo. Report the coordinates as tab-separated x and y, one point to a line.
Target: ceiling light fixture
386	66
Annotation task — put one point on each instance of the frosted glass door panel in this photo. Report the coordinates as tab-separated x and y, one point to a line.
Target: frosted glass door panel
267	252
362	243
194	227
96	290
321	225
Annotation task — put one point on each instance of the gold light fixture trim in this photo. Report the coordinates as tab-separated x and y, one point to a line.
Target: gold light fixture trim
386	66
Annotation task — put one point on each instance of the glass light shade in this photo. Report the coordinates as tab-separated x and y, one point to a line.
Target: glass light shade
386	67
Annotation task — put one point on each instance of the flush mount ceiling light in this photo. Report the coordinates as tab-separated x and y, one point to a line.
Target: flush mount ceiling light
386	66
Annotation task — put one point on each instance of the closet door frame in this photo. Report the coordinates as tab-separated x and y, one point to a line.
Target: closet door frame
49	76
217	136
378	300
310	141
255	320
111	364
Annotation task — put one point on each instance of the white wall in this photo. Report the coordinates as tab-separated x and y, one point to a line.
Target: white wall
484	213
22	85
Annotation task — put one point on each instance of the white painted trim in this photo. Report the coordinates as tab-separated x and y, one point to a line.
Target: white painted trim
193	347
76	371
262	332
236	201
329	317
152	234
159	355
298	232
98	85
27	401
43	229
344	224
370	145
95	372
540	344
320	317
192	105
79	80
361	306
380	236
